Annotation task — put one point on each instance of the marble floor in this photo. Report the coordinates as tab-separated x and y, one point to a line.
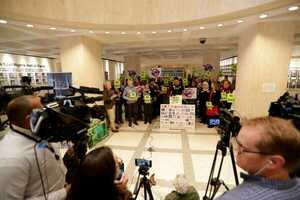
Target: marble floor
172	152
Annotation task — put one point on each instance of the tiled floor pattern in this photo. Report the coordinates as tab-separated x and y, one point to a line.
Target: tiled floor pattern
172	152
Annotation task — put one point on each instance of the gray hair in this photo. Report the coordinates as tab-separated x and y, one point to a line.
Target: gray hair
181	184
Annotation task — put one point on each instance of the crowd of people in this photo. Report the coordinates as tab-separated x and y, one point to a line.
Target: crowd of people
267	149
140	100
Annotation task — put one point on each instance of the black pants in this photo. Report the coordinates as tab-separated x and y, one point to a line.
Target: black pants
132	112
147	112
118	112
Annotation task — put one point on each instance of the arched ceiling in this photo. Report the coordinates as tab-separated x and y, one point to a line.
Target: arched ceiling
133	14
152	28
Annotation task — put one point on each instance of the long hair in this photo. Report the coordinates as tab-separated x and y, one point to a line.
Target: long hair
95	176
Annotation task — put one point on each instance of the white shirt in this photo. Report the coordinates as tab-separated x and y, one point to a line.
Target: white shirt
19	173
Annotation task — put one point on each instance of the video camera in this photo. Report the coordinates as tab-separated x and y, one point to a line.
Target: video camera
228	125
143	162
287	107
144	165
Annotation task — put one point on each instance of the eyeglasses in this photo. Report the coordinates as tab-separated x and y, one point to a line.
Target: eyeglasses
237	145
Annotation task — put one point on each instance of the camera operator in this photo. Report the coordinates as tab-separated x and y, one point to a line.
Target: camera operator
268	149
28	170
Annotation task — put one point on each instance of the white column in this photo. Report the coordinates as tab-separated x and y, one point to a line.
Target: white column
263	57
81	56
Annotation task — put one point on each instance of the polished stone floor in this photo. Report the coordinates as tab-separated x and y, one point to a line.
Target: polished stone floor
172	152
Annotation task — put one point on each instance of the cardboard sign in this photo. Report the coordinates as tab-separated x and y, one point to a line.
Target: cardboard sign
147	98
164	90
223	96
117	84
189	93
185	82
132	95
155	72
230	98
209	105
143	75
177	99
177	116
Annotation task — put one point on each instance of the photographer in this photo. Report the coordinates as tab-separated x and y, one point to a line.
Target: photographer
268	149
28	170
96	178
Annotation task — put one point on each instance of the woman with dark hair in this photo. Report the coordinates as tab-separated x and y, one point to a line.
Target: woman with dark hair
96	178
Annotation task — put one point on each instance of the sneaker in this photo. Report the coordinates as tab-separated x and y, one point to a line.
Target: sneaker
115	130
130	124
145	122
136	123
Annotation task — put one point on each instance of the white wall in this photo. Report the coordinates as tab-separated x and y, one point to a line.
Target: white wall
20	59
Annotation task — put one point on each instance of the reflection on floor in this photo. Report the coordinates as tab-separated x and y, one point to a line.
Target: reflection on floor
177	151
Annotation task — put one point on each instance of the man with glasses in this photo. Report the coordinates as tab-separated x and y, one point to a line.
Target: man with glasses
268	149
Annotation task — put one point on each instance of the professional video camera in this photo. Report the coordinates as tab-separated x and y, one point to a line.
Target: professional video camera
228	125
287	107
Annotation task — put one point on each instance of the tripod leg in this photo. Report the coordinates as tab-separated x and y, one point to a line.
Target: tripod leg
138	190
211	174
234	167
148	188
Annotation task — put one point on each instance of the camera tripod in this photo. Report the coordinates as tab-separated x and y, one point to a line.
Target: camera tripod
144	181
214	184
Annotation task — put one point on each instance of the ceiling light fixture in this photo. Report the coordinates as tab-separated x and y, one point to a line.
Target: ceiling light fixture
107	32
91	32
240	21
293	8
29	25
3	21
202	27
154	32
169	31
123	33
52	28
72	30
185	30
138	33
220	25
263	16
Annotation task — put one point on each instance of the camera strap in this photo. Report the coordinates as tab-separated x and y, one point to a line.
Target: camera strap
35	140
24	134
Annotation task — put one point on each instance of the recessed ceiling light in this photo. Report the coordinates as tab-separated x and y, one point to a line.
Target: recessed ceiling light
202	27
29	25
154	32
72	30
3	21
262	16
185	30
91	32
52	28
240	21
138	33
220	25
293	8
107	32
169	31
123	33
